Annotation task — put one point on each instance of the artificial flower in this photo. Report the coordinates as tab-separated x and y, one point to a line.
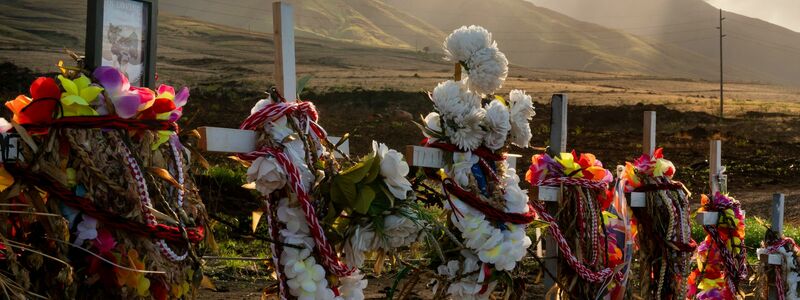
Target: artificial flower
433	124
400	231
361	241
260	105
104	242
118	91
393	169
516	198
352	287
452	99
6	179
487	69
497	125
461	169
521	113
466	41
267	175
292	217
87	230
467	133
39	108
78	95
569	165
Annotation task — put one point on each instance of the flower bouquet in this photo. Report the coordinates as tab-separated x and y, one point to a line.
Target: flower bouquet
98	200
721	256
663	232
783	276
481	193
324	213
590	228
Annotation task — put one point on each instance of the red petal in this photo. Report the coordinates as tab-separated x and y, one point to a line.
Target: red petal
40	111
163	105
658	153
45	87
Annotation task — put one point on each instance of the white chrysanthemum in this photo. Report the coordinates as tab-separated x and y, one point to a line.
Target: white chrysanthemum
266	174
497	125
487	69
393	170
521	113
453	99
361	241
400	231
467	134
465	41
352	287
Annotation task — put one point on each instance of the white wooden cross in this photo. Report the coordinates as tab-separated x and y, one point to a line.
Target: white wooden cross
717	182
217	139
552	195
637	199
776	215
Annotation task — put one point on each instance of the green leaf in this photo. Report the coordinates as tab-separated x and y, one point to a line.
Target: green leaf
348	190
388	194
301	84
357	172
538	224
400	275
374	171
364	201
379	205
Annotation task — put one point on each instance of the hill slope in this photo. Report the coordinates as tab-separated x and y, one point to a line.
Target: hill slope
539	37
768	50
366	22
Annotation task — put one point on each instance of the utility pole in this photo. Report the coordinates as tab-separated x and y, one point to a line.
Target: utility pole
721	93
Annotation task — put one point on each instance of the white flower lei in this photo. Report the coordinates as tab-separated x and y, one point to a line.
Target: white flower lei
306	278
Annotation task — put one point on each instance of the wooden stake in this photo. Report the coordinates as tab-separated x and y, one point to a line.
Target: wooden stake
283	30
714	166
457	72
558	144
649	136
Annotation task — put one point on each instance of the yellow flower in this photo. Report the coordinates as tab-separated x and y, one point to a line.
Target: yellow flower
78	95
570	166
6	179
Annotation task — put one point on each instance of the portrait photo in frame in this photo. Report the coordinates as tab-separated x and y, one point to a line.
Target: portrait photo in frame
122	34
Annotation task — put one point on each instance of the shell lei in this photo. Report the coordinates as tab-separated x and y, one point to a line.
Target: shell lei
281	172
721	256
596	255
104	156
663	234
784	276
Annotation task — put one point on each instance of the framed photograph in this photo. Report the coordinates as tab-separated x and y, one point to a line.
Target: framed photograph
122	34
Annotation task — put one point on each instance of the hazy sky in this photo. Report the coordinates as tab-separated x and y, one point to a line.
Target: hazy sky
785	13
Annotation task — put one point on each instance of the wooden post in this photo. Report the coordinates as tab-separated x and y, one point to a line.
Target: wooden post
714	166
649	136
283	30
776	213
558	144
215	139
638	199
776	219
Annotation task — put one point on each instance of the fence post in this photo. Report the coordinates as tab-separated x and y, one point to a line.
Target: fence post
776	218
558	144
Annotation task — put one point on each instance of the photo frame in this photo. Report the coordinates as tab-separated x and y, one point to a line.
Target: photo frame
122	34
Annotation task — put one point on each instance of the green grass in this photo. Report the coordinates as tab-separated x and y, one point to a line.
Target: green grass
753	235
